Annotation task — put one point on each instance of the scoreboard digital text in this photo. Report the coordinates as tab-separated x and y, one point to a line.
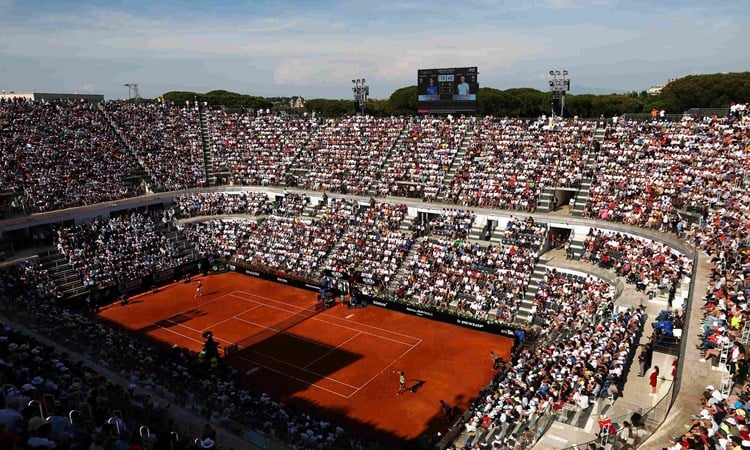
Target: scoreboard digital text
447	90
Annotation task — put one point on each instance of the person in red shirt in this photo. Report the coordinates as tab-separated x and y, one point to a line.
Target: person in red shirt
652	379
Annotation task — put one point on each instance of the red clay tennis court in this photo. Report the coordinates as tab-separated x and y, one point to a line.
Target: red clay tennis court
339	362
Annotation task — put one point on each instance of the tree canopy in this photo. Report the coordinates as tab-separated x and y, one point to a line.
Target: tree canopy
231	100
694	91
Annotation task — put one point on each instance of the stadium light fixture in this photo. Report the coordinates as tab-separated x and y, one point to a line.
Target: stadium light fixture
361	91
559	85
133	92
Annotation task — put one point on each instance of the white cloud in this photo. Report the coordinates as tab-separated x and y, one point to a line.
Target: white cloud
277	53
562	4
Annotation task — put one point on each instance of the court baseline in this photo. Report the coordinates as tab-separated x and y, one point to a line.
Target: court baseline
317	319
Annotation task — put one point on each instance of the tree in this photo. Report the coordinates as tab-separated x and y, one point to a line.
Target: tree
330	108
579	105
498	103
614	105
403	102
231	100
717	90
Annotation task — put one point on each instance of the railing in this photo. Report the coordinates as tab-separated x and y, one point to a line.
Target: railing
667	117
721	112
641	426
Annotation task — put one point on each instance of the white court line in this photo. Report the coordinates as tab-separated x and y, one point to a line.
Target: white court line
326	315
330	323
384	369
293	377
331	351
230	318
349	316
301	338
191	329
200	304
303	369
179	334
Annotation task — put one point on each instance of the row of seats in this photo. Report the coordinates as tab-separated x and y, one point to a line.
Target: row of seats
109	251
52	401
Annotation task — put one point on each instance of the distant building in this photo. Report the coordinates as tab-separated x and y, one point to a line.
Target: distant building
296	102
657	88
93	98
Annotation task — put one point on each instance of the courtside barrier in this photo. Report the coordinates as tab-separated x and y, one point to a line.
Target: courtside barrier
516	331
108	294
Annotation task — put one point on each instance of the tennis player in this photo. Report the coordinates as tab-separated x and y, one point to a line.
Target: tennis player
401	382
199	290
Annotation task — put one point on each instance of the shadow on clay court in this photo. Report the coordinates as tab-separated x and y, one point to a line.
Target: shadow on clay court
173	321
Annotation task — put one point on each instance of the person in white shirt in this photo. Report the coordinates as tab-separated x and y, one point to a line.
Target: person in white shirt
463	87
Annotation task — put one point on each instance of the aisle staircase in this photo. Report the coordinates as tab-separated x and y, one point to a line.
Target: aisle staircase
294	167
403	270
388	159
576	245
212	175
582	196
480	231
143	173
61	273
181	242
544	204
458	160
525	308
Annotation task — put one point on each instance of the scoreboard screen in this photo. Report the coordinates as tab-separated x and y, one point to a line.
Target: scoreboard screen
447	90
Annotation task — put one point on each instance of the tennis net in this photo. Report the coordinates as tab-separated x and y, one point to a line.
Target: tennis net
295	319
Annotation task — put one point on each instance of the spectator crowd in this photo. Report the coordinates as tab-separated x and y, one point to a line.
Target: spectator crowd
75	405
55	155
166	140
109	251
688	178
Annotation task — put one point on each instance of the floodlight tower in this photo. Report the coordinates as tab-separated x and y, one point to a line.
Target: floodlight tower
133	91
559	85
361	91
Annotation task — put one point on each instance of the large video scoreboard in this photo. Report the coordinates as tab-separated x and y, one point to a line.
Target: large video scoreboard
447	90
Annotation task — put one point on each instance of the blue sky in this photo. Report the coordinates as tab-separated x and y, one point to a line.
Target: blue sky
315	48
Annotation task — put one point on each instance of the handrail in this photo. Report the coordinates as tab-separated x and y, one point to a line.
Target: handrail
71	414
116	422
38	404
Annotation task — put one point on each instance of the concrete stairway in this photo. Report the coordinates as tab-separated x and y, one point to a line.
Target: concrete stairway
207	145
544	204
479	231
389	158
582	196
458	159
403	270
576	246
185	246
66	278
399	143
143	173
525	308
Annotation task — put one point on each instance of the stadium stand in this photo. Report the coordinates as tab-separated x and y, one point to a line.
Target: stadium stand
348	155
107	252
687	178
61	154
420	160
509	161
484	282
166	140
256	149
